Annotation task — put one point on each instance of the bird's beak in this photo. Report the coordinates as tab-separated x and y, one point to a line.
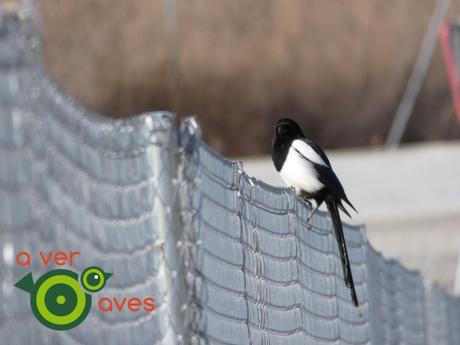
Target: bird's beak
107	275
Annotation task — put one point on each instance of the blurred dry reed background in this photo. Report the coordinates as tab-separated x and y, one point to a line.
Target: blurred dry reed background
339	67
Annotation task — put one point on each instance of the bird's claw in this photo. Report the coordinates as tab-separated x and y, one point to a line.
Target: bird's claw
308	202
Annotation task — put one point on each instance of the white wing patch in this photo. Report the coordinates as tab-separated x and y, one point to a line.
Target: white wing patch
299	173
308	152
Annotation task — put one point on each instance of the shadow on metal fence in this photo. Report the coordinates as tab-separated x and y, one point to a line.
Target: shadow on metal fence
229	259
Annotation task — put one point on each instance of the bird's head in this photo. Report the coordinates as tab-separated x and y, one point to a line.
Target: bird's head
287	129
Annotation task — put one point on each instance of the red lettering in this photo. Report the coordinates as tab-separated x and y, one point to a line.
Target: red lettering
108	307
134	304
149	304
118	304
72	254
60	258
23	258
46	260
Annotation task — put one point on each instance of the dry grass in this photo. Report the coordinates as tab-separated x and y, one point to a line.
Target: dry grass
338	67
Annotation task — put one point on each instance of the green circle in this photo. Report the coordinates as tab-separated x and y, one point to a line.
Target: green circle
93	279
54	286
61	299
50	315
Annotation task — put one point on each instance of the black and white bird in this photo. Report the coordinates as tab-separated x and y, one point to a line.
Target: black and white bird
304	166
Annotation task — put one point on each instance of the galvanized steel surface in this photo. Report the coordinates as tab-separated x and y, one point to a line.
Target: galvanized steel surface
229	259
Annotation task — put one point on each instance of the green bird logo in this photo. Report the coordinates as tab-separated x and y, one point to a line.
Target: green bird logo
58	300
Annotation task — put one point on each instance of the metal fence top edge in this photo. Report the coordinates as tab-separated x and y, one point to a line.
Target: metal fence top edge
150	120
20	26
116	138
22	22
251	188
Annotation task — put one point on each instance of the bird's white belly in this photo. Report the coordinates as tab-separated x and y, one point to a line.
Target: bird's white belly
299	173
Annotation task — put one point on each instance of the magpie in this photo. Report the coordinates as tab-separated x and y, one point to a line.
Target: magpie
304	166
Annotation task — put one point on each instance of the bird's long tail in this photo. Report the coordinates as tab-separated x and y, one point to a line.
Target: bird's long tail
332	206
340	205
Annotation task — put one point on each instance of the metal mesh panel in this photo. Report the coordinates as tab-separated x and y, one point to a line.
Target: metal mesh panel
73	181
262	275
229	259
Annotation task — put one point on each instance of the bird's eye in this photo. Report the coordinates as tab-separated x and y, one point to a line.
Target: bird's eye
281	130
93	279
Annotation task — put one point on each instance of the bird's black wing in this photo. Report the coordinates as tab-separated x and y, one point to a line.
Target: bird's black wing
330	180
331	203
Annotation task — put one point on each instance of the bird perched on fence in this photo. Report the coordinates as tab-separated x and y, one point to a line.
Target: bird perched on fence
303	165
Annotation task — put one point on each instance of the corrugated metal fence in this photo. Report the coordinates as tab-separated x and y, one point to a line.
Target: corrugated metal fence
229	259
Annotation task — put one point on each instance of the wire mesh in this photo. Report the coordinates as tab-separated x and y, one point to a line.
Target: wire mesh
74	181
262	275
